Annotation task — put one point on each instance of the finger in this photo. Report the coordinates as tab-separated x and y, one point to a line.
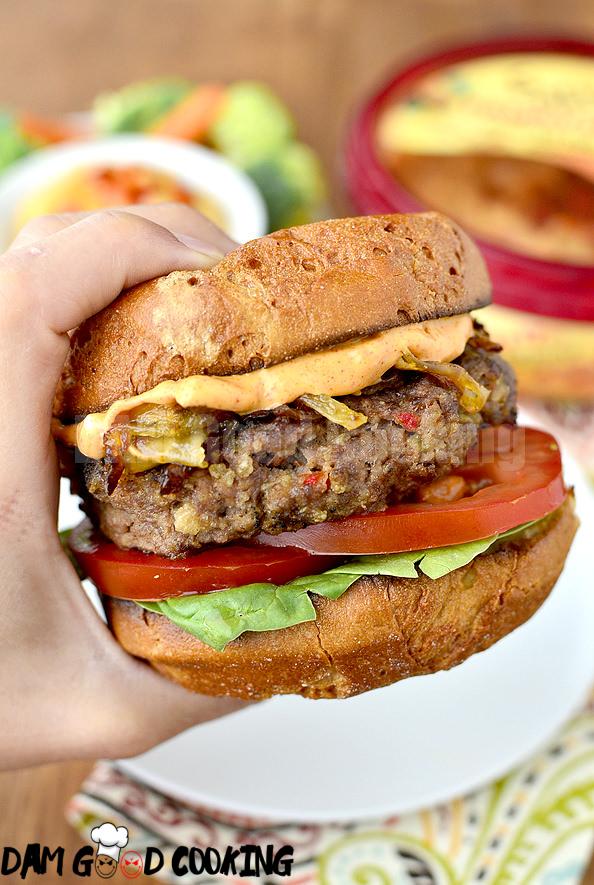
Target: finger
68	267
43	226
179	709
46	289
70	275
177	217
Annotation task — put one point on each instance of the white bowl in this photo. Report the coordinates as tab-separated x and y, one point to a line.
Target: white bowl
194	166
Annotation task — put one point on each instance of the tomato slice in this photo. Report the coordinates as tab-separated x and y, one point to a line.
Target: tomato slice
524	472
130	574
522	467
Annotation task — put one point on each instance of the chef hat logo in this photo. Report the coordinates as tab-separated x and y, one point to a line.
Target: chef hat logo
110	840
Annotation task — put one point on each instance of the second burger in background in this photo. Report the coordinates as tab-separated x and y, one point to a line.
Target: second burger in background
302	467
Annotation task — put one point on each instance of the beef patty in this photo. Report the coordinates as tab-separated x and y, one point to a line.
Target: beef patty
291	467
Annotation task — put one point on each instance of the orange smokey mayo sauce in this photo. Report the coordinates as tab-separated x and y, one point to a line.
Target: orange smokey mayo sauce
335	371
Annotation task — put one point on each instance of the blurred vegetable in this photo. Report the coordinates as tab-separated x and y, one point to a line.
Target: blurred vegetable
253	124
138	106
280	196
334	410
13	144
302	168
292	184
245	121
255	130
193	116
46	130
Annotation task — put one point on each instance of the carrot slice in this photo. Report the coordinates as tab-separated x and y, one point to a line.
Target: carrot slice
46	129
192	117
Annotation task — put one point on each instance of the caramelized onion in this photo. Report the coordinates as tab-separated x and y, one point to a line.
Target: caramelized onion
473	395
334	410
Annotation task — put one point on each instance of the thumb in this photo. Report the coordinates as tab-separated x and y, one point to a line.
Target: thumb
52	286
72	274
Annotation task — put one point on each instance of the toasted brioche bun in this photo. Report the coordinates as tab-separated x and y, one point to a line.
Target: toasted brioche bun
381	630
273	299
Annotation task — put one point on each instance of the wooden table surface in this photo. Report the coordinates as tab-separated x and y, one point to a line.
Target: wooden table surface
322	56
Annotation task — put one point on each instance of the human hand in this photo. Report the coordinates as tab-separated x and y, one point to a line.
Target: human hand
68	690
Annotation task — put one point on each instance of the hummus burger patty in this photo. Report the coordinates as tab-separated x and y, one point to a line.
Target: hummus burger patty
283	470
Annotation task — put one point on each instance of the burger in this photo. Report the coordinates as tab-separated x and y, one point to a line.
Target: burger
301	469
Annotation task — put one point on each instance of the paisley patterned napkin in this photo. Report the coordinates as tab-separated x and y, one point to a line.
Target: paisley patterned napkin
536	825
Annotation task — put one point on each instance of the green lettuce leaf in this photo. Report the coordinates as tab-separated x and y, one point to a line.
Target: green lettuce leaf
255	607
218	618
13	143
438	562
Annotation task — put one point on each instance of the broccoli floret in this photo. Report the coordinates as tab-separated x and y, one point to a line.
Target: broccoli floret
253	124
292	184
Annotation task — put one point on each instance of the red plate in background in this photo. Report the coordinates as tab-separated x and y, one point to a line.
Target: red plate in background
520	282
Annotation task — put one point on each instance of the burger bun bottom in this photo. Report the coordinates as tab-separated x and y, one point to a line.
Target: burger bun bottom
379	631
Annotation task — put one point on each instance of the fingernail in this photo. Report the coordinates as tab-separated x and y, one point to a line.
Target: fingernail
207	254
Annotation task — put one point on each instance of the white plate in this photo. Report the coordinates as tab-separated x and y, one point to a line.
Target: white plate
196	167
408	746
